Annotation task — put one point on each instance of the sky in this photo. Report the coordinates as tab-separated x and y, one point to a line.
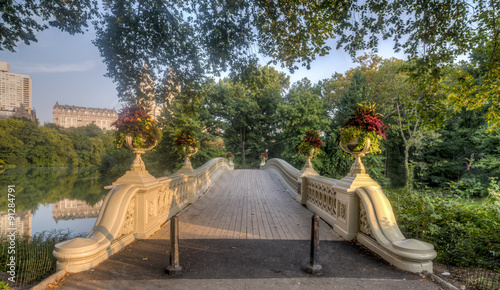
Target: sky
69	70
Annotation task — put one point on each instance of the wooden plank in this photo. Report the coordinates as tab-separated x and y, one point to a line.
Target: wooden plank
235	225
265	196
246	204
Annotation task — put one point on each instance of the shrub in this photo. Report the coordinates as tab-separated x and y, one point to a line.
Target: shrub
463	231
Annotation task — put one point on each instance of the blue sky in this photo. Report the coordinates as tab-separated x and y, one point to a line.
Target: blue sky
68	69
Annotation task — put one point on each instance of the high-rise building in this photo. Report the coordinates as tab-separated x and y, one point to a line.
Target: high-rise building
147	88
73	116
15	89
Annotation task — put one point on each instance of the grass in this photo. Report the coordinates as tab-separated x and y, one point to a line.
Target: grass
33	256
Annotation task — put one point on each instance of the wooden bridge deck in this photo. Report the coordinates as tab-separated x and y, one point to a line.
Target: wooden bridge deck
246	204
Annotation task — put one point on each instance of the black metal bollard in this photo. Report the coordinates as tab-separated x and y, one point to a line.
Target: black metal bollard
174	267
314	267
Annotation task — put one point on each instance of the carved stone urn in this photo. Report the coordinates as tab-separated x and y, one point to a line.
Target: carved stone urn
137	164
262	160
137	173
308	167
230	159
357	167
187	168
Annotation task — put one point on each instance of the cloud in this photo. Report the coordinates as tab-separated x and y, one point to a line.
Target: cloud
59	68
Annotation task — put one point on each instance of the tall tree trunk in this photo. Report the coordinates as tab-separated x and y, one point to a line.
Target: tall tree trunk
407	166
243	147
243	152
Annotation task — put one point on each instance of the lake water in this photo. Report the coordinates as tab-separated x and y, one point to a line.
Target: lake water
48	199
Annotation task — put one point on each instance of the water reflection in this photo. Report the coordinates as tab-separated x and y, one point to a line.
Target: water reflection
22	223
52	198
70	209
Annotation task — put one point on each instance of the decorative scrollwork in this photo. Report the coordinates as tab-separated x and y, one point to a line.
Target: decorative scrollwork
151	209
364	225
164	199
179	190
323	196
128	225
342	213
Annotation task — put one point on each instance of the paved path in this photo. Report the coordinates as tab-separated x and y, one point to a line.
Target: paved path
247	204
246	232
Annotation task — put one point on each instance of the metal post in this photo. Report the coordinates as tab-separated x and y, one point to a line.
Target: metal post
314	267
174	247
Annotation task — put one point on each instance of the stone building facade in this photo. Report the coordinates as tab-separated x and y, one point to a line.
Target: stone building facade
15	94
72	116
20	112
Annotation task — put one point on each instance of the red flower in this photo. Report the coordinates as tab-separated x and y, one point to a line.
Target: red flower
367	120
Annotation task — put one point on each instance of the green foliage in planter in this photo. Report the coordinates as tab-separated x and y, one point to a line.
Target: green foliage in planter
364	123
350	133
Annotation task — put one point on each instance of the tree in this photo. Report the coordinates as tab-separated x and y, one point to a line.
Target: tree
22	19
10	144
244	108
343	93
187	112
190	38
288	31
357	92
301	110
476	83
405	109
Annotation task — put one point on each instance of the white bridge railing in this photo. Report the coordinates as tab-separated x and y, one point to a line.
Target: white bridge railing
136	211
355	207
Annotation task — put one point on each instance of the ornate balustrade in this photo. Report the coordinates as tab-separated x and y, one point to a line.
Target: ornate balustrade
356	207
135	211
288	175
321	197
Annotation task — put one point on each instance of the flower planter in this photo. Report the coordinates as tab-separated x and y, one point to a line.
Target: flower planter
192	151
187	168
352	144
137	164
357	167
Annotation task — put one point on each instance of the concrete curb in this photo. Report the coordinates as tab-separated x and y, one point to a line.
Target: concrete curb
49	280
440	281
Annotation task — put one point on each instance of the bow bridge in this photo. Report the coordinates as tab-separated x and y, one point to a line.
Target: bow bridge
217	202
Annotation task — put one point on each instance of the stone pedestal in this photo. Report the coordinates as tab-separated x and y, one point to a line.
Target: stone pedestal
137	174
187	168
308	170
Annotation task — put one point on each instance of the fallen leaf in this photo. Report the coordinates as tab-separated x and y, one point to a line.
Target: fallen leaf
233	247
144	259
